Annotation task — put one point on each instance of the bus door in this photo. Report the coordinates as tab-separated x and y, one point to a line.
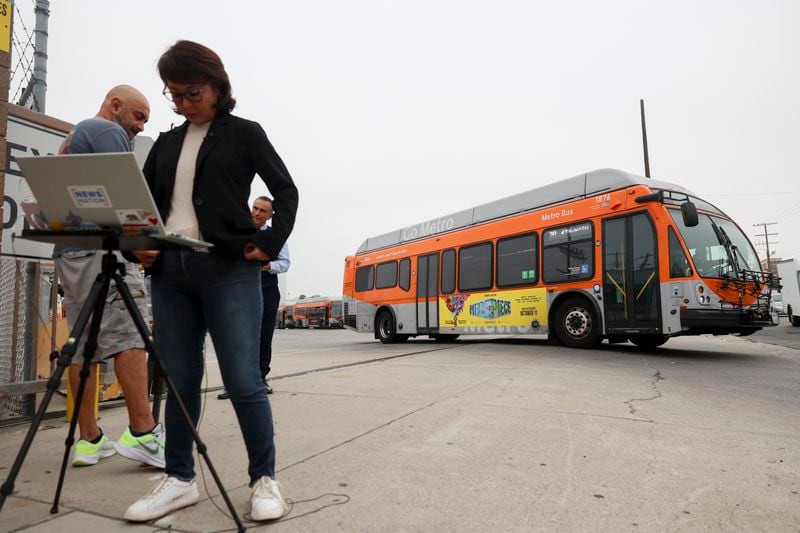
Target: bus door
631	289
428	293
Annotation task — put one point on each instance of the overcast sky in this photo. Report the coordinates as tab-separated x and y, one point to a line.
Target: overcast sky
388	113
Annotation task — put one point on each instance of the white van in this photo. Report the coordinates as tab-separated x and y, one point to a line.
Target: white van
789	272
776	303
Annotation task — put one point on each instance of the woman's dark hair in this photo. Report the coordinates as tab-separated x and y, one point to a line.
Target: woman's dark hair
190	62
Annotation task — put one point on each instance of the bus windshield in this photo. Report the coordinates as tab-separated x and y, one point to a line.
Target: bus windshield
719	248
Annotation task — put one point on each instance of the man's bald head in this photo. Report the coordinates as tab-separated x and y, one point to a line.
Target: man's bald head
126	106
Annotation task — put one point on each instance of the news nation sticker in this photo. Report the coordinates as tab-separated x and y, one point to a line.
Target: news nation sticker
89	196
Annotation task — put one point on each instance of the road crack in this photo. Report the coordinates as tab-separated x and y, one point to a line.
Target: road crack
654	384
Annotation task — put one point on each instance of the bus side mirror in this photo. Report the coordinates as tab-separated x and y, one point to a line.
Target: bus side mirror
689	214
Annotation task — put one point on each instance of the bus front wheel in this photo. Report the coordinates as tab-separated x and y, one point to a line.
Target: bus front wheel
387	330
577	325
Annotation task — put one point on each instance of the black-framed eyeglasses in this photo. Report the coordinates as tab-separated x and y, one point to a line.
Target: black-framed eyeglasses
193	95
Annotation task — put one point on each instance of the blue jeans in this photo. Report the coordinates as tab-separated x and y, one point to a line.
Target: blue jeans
194	292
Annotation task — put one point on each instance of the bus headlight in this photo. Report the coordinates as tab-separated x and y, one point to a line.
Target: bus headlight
702	294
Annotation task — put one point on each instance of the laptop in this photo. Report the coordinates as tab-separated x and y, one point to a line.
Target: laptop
90	192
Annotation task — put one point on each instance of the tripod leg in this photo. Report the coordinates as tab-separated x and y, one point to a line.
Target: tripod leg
67	352
157	389
88	356
122	287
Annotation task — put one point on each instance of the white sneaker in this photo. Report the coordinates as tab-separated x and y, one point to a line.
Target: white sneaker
147	449
266	501
171	493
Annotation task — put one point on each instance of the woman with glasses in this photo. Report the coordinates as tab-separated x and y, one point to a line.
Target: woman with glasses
200	175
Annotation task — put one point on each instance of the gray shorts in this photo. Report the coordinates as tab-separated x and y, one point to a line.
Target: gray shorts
77	271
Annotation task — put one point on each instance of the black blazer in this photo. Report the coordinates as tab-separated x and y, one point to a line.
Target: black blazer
232	153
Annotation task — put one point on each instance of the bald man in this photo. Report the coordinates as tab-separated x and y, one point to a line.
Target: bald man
121	117
124	108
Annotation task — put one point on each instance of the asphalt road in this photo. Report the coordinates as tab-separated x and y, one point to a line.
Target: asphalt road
504	434
784	334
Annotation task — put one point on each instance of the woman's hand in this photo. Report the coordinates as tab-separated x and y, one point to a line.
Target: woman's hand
254	253
146	257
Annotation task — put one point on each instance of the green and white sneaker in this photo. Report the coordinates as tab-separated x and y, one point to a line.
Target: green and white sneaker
88	454
148	449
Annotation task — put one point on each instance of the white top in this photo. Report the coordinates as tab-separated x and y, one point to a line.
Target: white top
280	264
182	218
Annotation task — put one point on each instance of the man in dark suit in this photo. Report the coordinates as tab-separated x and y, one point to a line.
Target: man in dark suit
262	213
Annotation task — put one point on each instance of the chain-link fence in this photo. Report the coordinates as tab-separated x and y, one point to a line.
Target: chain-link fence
24	310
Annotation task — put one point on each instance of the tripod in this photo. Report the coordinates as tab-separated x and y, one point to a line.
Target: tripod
114	270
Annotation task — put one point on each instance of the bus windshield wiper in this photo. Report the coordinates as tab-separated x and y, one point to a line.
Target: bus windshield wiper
730	248
739	253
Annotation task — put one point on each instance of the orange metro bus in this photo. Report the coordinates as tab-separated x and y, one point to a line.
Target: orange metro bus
602	255
285	317
318	312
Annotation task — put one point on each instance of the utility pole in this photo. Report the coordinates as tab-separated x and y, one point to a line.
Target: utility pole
766	236
36	90
41	34
644	141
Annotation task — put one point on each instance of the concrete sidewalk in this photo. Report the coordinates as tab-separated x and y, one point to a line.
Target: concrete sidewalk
511	435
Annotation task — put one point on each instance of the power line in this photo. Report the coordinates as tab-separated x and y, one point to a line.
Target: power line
790	212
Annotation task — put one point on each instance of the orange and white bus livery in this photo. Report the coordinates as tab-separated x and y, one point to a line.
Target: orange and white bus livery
320	313
603	255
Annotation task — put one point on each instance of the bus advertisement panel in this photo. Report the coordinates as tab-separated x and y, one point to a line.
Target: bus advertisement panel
522	309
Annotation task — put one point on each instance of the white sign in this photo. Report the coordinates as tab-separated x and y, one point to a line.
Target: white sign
25	138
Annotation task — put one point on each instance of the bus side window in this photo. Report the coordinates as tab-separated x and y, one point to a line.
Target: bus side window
405	274
448	271
475	267
364	278
386	275
517	260
678	263
568	253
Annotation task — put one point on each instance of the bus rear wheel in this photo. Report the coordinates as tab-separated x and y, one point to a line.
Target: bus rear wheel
386	329
648	341
577	325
